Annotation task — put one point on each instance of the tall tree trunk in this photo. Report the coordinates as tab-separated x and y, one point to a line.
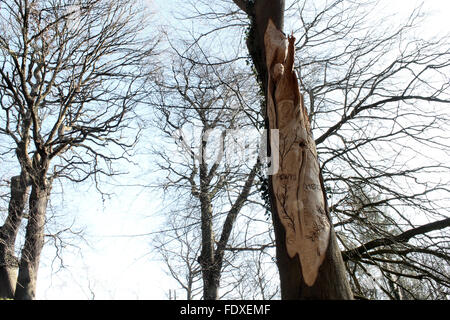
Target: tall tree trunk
260	12
322	276
211	282
212	257
331	282
210	269
8	233
211	278
34	242
206	259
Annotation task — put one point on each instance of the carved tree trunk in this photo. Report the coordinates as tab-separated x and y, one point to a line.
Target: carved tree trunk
308	257
34	242
297	192
8	233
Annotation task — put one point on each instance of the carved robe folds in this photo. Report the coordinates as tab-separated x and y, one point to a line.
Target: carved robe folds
296	185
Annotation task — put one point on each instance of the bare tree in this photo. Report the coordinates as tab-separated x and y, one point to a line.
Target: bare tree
71	76
203	111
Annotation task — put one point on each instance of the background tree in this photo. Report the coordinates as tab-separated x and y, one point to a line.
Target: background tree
202	110
70	78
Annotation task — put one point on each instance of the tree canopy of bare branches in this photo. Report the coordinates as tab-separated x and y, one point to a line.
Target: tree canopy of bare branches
202	110
70	76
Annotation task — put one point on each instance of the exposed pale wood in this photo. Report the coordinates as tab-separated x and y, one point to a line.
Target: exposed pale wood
296	185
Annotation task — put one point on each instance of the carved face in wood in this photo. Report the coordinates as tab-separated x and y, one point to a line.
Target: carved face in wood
278	71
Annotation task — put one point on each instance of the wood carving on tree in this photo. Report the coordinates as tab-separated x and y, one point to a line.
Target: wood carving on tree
296	184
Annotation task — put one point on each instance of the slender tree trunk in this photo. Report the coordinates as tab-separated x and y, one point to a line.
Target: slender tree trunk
326	277
210	274
211	282
206	259
8	233
212	256
34	242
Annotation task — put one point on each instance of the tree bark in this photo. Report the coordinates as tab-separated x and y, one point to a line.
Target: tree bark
34	242
211	282
8	233
331	282
211	279
259	13
212	255
326	278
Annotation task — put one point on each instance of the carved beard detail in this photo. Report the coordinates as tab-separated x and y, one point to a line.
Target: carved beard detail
296	186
